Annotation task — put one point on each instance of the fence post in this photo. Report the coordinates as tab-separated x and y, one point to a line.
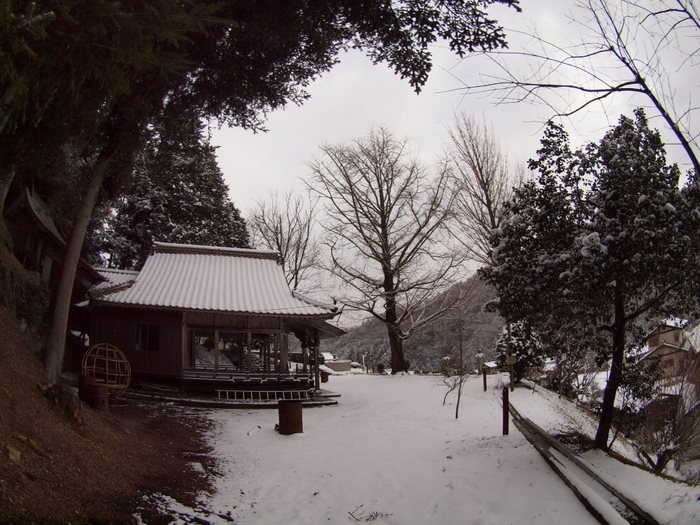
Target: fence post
505	410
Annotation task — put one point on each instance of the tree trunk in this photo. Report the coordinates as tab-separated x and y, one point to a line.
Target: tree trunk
6	179
5	182
8	99
58	324
122	138
398	363
618	354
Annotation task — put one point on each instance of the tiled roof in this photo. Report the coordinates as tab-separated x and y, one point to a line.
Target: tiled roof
191	277
113	279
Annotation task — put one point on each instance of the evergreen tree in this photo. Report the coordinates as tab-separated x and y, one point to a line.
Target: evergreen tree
599	241
176	194
525	345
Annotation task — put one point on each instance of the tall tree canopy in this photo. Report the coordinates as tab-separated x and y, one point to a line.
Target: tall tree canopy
177	194
107	67
484	184
602	239
387	234
236	60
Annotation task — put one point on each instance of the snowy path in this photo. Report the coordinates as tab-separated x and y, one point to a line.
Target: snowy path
392	449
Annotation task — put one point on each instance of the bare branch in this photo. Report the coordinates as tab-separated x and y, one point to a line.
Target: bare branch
628	50
285	224
483	185
387	235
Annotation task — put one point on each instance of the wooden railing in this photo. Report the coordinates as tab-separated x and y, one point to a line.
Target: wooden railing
237	385
235	374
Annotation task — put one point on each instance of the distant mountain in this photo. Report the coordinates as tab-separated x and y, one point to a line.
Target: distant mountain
426	349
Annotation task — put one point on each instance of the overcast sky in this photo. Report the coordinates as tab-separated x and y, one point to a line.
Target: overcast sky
356	96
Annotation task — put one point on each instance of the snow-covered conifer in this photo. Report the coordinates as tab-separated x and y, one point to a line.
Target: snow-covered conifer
598	242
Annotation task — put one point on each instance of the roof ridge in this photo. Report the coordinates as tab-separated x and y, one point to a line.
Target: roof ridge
197	249
313	302
117	287
118	270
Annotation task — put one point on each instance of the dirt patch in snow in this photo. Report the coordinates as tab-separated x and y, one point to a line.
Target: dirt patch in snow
62	466
576	441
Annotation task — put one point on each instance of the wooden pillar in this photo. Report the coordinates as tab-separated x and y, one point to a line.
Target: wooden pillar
249	356
317	370
283	342
265	355
216	349
186	357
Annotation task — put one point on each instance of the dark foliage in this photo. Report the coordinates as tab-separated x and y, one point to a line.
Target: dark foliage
177	194
600	242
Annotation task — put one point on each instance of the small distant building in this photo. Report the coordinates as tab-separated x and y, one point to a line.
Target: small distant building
328	356
676	343
339	365
40	247
211	320
491	367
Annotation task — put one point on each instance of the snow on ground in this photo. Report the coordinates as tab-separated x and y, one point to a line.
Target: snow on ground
389	448
666	501
390	452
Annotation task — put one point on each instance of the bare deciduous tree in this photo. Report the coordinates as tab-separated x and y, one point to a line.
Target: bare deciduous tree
626	47
387	234
483	184
285	224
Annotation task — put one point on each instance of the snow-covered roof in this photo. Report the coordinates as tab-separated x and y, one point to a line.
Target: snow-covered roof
113	278
690	330
191	277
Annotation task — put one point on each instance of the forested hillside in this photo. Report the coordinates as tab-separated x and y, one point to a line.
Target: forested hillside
427	349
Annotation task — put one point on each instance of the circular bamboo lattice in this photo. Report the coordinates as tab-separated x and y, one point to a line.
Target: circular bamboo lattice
109	366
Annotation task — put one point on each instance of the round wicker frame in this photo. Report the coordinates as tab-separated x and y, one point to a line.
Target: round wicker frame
109	366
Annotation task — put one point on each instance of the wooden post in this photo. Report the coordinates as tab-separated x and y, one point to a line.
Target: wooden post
290	416
505	410
317	361
248	351
461	370
305	353
283	342
483	373
511	361
216	347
